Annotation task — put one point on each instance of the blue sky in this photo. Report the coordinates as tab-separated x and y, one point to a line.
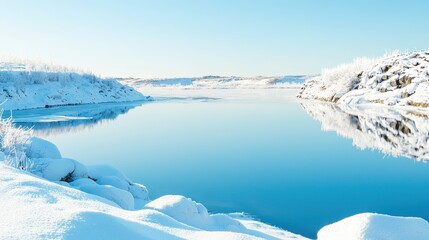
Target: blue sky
196	38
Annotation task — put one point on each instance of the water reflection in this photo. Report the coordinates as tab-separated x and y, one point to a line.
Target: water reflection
394	132
58	120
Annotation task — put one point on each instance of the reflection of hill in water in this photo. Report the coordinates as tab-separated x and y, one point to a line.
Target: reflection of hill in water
57	120
394	132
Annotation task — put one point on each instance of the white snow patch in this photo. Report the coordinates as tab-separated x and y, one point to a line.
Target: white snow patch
367	226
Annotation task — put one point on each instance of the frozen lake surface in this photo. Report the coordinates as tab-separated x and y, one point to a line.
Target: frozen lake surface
259	151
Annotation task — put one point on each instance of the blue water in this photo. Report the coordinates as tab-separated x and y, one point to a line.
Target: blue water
266	158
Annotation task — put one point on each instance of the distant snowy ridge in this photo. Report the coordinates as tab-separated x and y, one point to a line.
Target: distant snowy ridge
25	86
394	132
217	82
399	79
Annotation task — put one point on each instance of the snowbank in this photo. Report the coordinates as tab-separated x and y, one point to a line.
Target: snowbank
34	86
217	82
367	226
394	80
34	208
392	131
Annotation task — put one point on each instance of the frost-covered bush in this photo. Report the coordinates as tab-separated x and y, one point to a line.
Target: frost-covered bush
333	83
13	144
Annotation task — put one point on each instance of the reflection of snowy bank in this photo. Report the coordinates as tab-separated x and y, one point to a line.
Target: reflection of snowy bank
394	132
47	121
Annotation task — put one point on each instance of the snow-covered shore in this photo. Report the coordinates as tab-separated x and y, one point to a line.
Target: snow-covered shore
28	85
60	198
399	79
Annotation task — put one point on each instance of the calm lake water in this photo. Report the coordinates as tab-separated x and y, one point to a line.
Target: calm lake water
265	156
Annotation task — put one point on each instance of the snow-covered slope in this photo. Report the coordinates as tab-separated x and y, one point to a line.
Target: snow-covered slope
217	82
393	132
400	79
27	85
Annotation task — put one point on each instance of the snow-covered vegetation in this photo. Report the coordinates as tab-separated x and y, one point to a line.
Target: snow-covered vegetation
397	79
394	132
29	85
217	82
14	143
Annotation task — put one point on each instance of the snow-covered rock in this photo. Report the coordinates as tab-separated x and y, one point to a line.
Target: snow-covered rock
114	181
28	85
394	80
123	198
366	226
40	148
392	131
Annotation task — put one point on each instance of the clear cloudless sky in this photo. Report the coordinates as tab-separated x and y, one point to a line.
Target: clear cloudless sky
175	38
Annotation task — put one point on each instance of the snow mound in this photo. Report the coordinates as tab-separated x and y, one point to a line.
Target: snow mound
26	85
103	181
40	148
400	79
217	82
393	132
376	226
121	197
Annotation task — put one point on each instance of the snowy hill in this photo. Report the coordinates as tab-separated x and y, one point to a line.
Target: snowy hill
400	79
28	85
217	82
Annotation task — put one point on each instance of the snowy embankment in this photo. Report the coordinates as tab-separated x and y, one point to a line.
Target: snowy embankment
29	85
60	198
394	132
217	82
400	79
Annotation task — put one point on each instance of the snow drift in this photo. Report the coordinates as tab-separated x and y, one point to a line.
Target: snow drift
399	79
28	85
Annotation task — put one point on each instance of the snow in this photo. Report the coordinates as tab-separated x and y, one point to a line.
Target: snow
27	85
34	208
398	79
376	226
123	198
40	148
216	82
